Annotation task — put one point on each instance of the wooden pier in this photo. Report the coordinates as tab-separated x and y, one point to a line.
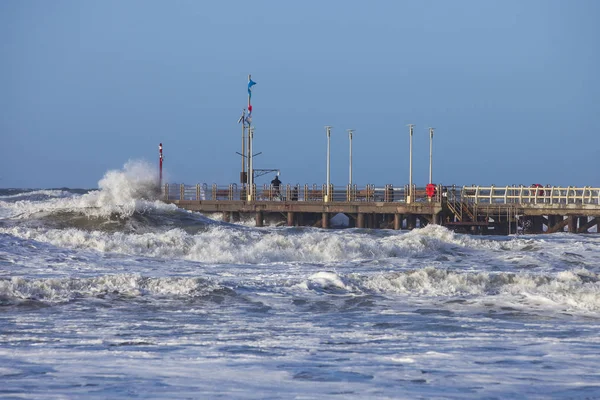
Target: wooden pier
470	209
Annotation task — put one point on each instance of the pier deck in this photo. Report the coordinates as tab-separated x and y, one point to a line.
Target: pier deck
472	209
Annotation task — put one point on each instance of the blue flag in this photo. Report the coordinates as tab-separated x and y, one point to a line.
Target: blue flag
250	84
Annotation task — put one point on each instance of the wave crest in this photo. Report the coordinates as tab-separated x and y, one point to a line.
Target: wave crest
121	193
59	290
575	289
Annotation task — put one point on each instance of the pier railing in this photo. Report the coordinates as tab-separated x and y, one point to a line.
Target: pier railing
527	195
474	195
306	193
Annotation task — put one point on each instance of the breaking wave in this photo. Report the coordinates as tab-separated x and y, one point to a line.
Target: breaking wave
59	290
226	244
569	290
213	242
121	193
575	290
14	195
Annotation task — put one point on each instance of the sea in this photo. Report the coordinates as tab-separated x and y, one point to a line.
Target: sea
112	294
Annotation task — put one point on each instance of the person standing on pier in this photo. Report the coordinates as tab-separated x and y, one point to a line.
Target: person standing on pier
275	183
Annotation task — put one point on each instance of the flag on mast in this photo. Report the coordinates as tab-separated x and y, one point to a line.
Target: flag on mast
250	84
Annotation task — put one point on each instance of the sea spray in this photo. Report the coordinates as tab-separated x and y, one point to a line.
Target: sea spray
121	193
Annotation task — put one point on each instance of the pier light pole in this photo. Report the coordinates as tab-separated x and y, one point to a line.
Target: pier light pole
243	178
350	131
328	130
430	153
250	167
410	188
249	122
248	152
160	163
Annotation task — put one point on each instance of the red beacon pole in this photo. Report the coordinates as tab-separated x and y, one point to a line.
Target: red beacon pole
160	162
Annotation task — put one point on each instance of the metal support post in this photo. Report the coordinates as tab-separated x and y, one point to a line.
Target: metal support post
160	164
409	198
350	131
430	153
327	195
243	178
250	167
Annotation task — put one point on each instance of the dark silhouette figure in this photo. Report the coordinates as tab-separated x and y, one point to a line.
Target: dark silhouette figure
276	183
389	193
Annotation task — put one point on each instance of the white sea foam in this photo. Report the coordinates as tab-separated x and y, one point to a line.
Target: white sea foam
223	244
328	281
574	289
58	290
36	195
121	193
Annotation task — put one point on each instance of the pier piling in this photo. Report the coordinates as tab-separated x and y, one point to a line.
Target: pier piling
226	216
397	222
360	220
572	223
325	220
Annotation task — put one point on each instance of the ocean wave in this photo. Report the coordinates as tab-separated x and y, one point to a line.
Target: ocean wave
574	289
227	244
14	195
138	222
60	290
121	193
221	243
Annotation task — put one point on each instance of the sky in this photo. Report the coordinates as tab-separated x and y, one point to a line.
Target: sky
511	87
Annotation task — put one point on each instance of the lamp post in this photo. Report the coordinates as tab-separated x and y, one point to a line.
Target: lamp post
160	163
410	197
328	130
251	167
243	178
350	131
430	153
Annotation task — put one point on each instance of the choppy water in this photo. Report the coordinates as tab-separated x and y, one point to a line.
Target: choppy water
111	294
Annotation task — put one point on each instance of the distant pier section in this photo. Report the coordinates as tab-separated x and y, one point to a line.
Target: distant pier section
469	209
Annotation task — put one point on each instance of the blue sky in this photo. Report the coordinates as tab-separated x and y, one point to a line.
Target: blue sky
512	88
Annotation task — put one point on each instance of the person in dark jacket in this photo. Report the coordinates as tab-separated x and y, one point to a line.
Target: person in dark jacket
275	183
